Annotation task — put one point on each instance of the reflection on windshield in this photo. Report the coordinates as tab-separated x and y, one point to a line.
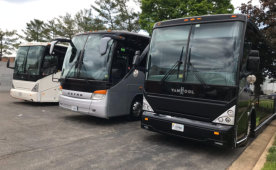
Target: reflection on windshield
213	53
28	60
94	65
69	68
34	59
166	47
20	60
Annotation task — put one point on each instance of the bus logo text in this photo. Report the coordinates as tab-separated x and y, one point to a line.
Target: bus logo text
182	91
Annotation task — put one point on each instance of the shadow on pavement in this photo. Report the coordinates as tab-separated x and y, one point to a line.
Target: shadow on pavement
28	103
190	145
97	121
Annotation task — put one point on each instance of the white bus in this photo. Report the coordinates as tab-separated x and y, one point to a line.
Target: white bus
99	77
34	71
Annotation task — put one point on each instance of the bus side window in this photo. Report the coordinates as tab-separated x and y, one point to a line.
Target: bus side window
49	65
122	62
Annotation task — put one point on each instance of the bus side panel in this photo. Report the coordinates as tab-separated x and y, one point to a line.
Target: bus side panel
243	108
264	103
123	93
49	90
264	87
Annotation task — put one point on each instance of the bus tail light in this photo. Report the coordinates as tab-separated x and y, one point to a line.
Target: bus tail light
99	95
35	88
227	118
146	105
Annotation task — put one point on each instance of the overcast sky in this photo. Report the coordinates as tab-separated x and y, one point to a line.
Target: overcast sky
14	14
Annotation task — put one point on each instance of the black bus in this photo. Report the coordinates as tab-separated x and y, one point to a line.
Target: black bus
209	78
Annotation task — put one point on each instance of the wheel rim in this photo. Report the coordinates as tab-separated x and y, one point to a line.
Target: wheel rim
136	109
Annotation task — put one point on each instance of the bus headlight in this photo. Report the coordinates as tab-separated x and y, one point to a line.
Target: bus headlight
146	105
96	96
227	118
99	95
35	89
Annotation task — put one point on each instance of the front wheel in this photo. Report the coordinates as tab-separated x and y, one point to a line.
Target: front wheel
136	108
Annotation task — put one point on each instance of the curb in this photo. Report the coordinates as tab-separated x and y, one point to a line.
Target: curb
259	165
251	156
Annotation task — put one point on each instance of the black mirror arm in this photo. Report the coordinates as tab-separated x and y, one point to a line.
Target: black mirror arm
8	64
65	40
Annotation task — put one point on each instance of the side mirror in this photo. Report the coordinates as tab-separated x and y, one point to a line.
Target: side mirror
251	79
104	44
136	58
53	43
8	64
253	61
57	40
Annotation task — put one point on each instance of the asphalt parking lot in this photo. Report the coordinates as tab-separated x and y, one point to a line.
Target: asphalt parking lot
44	136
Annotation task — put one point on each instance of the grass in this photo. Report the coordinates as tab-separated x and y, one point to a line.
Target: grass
271	158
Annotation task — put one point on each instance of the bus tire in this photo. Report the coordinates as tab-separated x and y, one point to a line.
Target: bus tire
136	108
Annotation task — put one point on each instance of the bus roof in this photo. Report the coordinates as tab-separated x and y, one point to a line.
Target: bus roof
38	44
202	19
117	32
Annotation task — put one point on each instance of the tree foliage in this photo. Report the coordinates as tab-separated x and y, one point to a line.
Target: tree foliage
117	14
51	30
107	10
8	42
35	31
159	10
127	18
263	16
66	26
86	22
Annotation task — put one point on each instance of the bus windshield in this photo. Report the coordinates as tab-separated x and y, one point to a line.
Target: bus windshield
211	56
28	60
93	66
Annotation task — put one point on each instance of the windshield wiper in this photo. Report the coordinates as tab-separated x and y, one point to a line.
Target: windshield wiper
194	71
75	64
172	69
81	65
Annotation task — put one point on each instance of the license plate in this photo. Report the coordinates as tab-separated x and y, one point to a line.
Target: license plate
178	127
74	108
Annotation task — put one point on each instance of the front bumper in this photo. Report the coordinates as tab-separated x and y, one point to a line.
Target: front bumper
95	108
25	95
195	130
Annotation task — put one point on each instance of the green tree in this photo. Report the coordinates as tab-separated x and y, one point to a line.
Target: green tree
127	18
107	11
159	10
86	22
51	31
263	16
35	31
8	42
117	14
66	26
